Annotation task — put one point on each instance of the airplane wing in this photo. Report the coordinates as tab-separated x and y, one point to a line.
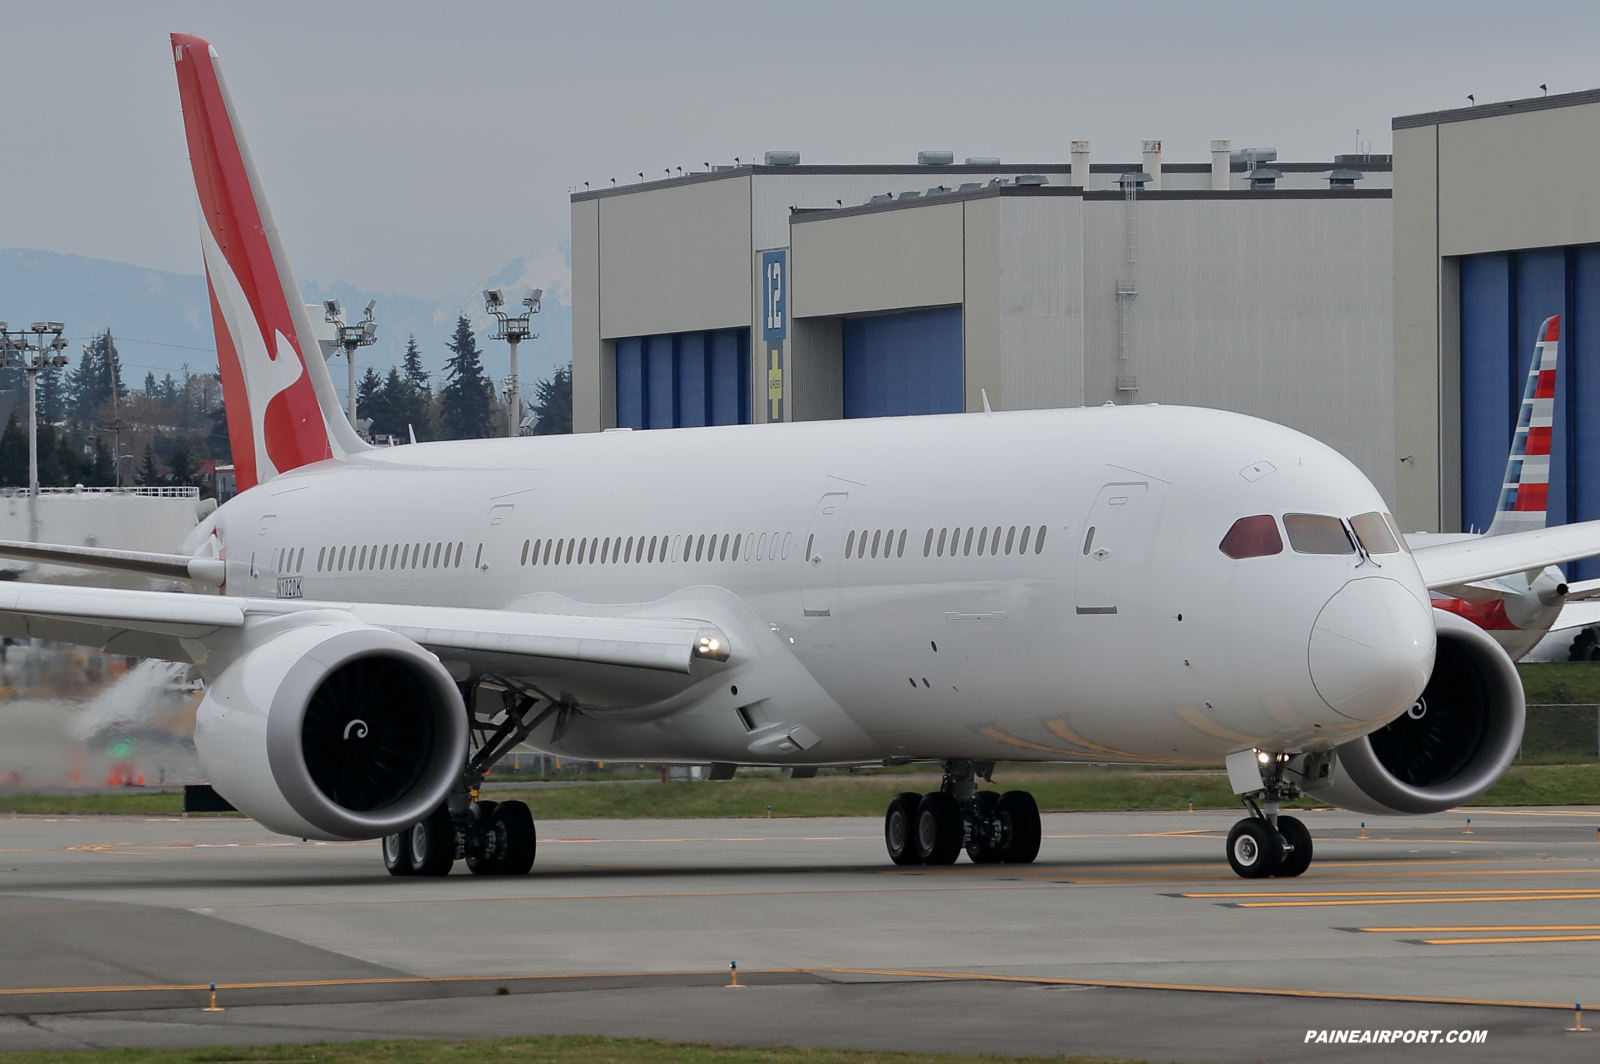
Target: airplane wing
1577	615
206	571
176	627
1581	590
1486	557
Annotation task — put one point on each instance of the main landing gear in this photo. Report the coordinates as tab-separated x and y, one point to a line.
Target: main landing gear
493	838
1268	843
934	828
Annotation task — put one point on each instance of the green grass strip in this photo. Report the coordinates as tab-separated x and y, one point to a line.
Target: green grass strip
541	1049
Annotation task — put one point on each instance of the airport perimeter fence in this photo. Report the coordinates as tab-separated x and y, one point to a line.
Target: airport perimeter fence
1559	733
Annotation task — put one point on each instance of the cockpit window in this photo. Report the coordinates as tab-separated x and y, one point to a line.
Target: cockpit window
1374	534
1399	536
1315	534
1252	537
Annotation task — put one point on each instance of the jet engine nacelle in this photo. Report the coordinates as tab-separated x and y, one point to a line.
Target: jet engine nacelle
328	728
1451	745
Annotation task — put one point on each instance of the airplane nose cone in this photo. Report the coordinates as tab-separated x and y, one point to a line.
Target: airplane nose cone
1371	649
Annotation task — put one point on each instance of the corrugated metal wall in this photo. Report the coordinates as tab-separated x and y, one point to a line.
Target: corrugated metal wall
910	363
678	380
1504	298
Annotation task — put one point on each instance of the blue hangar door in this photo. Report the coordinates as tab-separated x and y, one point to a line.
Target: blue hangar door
907	363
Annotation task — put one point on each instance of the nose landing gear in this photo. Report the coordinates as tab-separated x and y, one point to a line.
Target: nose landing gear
934	828
1268	843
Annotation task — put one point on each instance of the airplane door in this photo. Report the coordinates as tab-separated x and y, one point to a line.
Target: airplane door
1112	546
823	553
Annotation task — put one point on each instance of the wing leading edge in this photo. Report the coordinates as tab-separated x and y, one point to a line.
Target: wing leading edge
1485	557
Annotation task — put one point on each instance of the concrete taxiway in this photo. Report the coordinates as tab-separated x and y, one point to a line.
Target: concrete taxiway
1128	937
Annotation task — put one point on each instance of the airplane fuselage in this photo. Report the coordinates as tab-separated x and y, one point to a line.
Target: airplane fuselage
932	581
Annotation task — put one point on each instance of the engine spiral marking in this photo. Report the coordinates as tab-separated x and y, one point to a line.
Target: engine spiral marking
362	734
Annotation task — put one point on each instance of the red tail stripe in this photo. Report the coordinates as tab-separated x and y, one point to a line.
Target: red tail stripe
1553	328
1546	388
1538	441
1532	497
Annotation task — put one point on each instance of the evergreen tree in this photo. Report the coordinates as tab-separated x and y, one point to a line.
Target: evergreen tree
149	472
552	403
415	375
101	468
369	401
52	396
14	453
97	378
464	402
184	461
150	384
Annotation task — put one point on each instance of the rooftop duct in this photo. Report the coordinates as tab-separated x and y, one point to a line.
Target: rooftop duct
1032	179
1221	166
783	158
1080	163
935	158
1253	157
1134	178
1152	162
983	160
1343	178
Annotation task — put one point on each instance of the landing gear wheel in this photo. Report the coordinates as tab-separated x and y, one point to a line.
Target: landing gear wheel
900	828
515	838
483	858
433	844
1018	814
1295	835
940	829
1254	850
397	854
986	845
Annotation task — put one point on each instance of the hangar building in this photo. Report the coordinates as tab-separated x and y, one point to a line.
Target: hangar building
1487	246
789	292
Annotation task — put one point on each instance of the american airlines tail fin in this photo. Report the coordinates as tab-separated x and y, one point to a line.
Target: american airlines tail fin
1524	495
282	410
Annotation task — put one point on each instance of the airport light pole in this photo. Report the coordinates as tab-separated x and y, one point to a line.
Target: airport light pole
513	330
363	333
19	352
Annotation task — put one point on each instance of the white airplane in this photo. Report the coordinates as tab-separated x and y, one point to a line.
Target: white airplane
1134	584
1521	609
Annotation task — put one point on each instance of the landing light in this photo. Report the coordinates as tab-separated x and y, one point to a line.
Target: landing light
711	644
1263	757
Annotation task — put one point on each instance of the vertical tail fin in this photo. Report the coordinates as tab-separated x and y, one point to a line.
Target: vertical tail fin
282	409
1524	496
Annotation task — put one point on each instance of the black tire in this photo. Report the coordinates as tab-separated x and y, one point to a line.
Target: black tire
485	861
433	844
517	841
940	830
1297	840
1018	814
1254	850
396	855
986	841
900	829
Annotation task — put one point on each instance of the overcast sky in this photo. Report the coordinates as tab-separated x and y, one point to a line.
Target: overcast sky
415	147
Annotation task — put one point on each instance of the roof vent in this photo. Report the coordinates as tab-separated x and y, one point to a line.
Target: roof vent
1127	179
783	158
997	182
1040	179
983	160
909	195
969	186
1343	178
1253	157
938	191
1264	179
935	158
882	197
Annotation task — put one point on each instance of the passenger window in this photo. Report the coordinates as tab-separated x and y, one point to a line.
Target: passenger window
321	554
341	558
1088	541
761	548
900	551
1023	547
459	548
736	540
477	559
967	548
1316	534
983	540
1011	536
525	545
811	541
724	556
1038	541
943	532
927	544
877	537
788	540
849	544
1374	534
300	560
1252	537
699	548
